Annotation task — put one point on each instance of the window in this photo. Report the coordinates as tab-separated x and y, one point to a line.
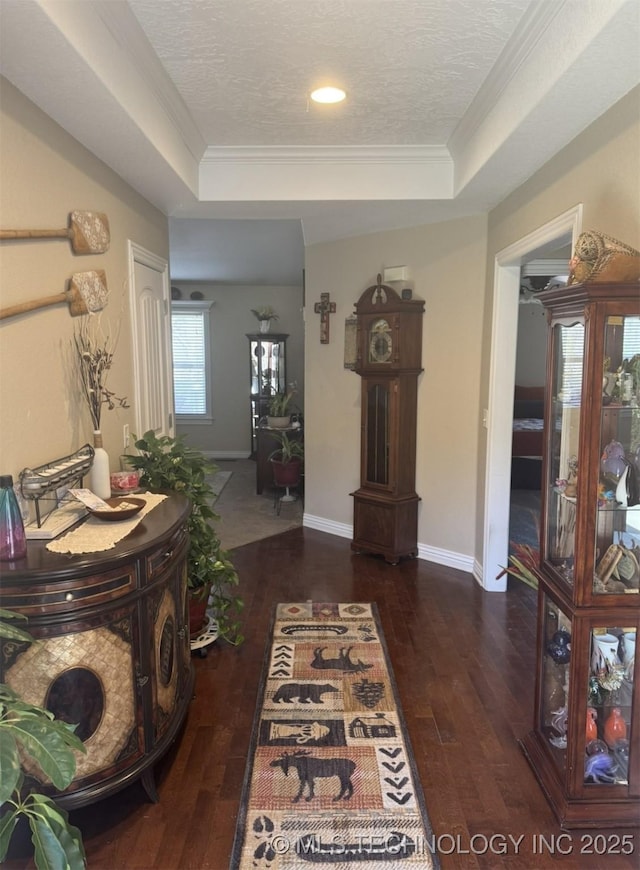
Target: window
191	360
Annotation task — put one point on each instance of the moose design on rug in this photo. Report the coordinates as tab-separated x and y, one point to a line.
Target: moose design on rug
342	662
309	768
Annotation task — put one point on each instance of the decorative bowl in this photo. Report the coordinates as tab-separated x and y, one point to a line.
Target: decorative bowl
124	508
124	481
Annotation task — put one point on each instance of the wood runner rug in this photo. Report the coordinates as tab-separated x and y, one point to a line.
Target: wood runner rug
331	779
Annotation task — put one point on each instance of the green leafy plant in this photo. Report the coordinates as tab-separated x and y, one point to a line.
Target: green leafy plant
169	465
27	730
264	313
289	448
279	404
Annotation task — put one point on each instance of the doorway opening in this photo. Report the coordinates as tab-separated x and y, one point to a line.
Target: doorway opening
561	231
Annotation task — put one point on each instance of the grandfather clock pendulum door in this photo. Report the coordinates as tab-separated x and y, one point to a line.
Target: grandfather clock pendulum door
389	360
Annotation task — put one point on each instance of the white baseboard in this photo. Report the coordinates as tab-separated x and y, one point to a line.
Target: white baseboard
225	454
447	558
342	530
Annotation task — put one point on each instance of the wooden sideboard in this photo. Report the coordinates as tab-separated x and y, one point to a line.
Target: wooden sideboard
112	652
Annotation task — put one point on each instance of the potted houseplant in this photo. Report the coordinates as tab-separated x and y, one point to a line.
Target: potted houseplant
264	315
279	416
168	464
287	460
29	736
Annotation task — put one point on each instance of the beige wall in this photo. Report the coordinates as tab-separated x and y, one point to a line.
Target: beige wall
447	264
601	170
231	320
44	175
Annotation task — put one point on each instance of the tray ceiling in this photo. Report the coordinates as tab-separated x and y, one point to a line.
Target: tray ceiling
202	105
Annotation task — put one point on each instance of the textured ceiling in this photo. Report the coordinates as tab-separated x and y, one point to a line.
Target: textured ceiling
202	107
410	67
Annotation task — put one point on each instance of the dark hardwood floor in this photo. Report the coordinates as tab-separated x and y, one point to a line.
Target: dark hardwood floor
464	665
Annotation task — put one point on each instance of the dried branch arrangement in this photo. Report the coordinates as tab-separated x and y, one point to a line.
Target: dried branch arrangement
94	351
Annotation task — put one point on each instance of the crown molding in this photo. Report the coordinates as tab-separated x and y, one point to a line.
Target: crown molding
128	35
304	155
530	31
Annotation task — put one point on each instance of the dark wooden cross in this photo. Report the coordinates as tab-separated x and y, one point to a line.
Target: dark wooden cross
324	308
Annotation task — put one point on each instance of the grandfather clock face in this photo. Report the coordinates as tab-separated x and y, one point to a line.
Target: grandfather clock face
380	342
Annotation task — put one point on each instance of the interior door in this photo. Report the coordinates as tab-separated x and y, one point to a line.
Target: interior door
151	330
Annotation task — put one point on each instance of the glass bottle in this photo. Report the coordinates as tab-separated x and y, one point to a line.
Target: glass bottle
13	541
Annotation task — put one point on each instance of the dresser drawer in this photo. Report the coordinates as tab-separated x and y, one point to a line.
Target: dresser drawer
157	562
63	596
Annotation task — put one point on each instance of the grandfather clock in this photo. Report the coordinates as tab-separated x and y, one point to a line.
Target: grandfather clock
389	360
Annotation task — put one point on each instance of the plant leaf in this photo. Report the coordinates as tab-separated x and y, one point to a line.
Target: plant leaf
9	765
10	631
46	814
50	746
7	825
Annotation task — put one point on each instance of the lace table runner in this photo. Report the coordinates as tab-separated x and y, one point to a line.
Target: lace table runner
96	535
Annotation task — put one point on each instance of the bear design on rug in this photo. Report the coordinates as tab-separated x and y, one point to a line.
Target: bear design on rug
306	693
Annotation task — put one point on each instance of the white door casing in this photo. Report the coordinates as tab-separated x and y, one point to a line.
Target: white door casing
504	330
151	340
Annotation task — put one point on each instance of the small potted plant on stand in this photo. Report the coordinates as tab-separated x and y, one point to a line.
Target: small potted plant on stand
168	464
287	461
279	416
264	315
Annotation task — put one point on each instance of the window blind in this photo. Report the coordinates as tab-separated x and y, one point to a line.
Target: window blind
189	338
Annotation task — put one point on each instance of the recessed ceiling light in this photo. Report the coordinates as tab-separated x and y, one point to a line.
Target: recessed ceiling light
328	95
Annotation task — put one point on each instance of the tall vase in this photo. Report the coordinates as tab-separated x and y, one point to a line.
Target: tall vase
99	480
604	655
265	325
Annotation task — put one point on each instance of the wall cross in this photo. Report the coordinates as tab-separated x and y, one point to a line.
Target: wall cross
324	308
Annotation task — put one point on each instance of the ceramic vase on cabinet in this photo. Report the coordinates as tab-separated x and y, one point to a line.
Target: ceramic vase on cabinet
592	728
99	478
604	655
629	653
615	728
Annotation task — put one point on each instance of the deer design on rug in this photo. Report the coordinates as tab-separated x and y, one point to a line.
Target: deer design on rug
310	768
341	663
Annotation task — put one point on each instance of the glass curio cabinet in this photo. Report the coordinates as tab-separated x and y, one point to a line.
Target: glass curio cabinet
585	743
267	366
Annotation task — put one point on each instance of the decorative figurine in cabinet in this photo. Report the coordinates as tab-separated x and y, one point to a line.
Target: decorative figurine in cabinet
389	361
585	743
267	361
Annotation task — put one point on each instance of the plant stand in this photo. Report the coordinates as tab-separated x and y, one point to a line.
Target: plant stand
286	497
207	636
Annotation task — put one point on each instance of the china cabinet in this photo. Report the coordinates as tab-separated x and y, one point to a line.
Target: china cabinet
112	653
267	366
585	744
389	361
